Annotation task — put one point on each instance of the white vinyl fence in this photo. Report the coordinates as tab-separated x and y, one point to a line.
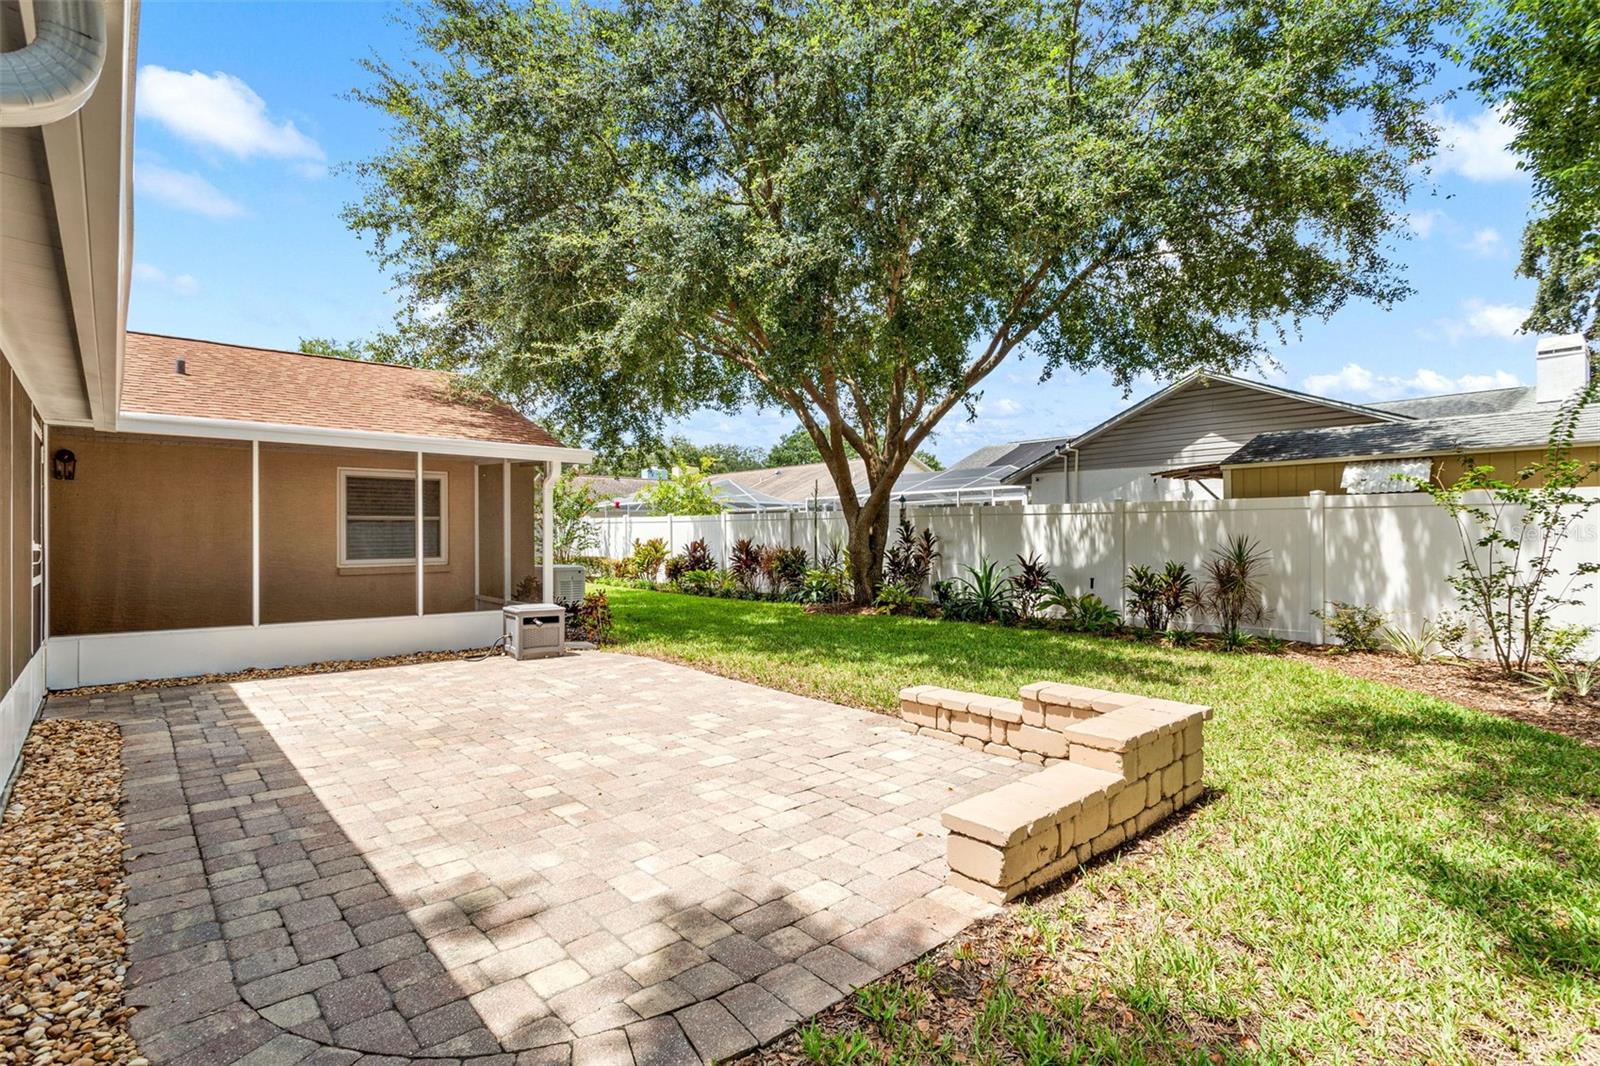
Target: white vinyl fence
1392	551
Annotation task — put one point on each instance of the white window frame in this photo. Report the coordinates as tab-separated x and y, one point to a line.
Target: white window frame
347	472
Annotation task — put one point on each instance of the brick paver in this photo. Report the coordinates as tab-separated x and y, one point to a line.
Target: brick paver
590	859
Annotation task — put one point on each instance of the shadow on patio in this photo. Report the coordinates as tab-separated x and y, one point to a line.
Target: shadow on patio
424	921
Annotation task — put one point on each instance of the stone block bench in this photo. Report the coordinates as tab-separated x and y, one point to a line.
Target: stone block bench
1114	765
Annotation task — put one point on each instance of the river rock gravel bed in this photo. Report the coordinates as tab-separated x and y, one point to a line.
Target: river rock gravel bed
62	943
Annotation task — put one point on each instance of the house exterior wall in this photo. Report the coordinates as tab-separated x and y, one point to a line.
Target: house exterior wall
152	533
21	670
1268	480
1204	424
1198	424
155	534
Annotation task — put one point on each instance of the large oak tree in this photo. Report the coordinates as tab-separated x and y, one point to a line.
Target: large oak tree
858	209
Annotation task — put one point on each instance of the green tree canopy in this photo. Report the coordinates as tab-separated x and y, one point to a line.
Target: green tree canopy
1539	61
677	451
858	210
688	491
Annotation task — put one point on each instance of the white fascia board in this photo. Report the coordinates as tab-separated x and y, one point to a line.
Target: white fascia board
330	437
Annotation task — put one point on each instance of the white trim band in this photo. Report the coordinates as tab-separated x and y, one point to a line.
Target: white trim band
329	437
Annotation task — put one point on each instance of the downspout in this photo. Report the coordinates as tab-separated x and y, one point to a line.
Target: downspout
56	72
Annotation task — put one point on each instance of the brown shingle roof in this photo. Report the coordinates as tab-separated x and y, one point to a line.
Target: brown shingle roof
230	381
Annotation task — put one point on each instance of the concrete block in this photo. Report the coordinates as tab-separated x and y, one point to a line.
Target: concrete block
1127	803
1031	738
1151	815
1109	761
1172	780
987	893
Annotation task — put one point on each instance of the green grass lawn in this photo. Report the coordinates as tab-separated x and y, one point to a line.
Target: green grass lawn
1375	875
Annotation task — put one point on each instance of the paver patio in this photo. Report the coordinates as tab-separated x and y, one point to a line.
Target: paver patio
597	858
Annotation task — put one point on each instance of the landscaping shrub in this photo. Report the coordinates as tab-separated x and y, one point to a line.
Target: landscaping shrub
1029	586
590	620
824	585
1357	628
1087	613
697	556
785	570
1160	598
1509	579
1231	590
745	562
897	599
674	567
647	558
908	562
984	595
1418	646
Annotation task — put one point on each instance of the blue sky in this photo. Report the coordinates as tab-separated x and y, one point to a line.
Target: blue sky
243	123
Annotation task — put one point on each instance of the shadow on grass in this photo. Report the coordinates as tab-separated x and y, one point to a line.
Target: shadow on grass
1527	867
888	652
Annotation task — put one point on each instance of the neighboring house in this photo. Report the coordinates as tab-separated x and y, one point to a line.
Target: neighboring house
611	493
1014	454
806	485
1167	446
173	507
1503	428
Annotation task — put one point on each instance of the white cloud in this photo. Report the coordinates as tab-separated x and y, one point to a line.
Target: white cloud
1422	223
1485	242
1479	319
1354	381
220	111
155	277
181	189
1000	407
1477	148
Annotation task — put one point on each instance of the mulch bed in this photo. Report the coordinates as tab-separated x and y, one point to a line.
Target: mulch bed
1474	685
62	943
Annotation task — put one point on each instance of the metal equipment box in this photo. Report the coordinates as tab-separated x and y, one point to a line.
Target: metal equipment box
534	630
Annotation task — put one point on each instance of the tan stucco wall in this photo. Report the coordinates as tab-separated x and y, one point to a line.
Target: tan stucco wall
155	534
1296	479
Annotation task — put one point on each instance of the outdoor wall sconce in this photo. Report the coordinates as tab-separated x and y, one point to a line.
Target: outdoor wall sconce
64	465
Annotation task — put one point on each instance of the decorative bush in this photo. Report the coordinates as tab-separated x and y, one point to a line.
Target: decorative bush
1357	628
697	556
590	620
824	585
675	566
1029	586
908	562
745	563
785	569
1230	592
1159	598
647	558
1087	613
984	595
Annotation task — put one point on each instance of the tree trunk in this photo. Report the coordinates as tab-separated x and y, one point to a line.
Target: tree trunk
869	536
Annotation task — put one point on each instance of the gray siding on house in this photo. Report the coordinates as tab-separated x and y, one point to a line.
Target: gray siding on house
1204	423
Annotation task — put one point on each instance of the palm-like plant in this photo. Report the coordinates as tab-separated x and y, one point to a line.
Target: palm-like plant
984	595
1175	586
1029	585
1231	590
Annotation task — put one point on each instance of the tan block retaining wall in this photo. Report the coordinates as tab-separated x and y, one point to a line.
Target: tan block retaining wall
1115	764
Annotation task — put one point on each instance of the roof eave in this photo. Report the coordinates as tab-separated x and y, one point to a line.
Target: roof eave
335	437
